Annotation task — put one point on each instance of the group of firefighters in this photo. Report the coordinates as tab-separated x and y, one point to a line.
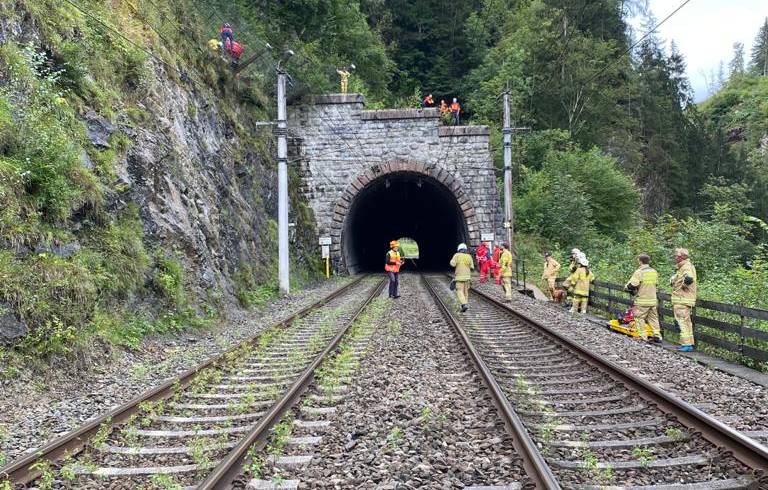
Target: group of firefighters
454	110
227	43
642	285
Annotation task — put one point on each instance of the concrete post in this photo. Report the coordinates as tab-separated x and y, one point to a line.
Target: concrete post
282	185
509	217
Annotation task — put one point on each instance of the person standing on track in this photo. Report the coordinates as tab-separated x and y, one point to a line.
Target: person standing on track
392	265
463	267
684	288
551	268
580	281
495	258
505	266
483	256
642	285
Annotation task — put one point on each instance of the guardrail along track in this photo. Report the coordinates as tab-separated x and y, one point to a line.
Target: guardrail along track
202	421
595	423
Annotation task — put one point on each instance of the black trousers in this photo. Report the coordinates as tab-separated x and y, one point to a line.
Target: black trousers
394	282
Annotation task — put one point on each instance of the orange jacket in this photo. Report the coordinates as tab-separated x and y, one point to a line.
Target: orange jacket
444	108
455	107
393	261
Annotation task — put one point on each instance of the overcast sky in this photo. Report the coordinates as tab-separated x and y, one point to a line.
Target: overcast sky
705	30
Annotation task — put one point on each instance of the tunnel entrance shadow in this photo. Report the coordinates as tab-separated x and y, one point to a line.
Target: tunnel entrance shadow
402	204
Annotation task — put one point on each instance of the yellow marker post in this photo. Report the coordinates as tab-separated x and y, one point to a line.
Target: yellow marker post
325	247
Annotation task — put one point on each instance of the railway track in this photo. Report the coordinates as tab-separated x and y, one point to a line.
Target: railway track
195	430
590	423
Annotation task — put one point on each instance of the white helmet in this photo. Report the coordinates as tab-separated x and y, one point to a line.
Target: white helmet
583	260
575	251
462	246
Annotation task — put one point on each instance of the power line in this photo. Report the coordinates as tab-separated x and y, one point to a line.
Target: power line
636	43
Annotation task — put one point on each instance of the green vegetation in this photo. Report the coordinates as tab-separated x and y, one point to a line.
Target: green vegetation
409	249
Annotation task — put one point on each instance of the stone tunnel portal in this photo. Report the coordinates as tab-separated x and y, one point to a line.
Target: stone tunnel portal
402	204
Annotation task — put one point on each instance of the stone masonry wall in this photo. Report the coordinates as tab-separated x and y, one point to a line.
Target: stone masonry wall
341	147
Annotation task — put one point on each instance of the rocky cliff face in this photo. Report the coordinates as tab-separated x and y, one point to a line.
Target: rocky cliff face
189	157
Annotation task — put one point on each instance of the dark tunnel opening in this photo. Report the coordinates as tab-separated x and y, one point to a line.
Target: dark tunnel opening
402	204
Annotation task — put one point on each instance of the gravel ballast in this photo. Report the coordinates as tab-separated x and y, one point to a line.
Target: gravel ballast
736	401
36	408
415	416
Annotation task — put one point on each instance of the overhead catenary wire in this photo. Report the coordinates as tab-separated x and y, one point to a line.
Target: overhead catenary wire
637	43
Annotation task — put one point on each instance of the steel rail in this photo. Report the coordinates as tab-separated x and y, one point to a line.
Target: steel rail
225	473
19	471
533	462
745	449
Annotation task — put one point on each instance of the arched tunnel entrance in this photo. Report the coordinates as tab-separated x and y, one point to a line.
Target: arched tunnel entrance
402	204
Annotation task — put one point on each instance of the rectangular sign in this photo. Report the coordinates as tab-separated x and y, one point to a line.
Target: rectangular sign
326	251
325	240
487	237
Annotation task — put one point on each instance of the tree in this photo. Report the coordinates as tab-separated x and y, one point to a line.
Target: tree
759	63
736	66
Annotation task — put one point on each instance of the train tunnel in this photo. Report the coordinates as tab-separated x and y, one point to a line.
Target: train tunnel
402	204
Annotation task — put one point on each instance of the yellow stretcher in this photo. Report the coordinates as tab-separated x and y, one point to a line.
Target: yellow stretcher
629	328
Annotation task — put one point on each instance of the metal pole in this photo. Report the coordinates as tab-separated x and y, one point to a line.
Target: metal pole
282	185
509	218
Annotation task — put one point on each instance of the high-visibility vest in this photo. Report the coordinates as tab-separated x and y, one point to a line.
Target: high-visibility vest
464	266
580	280
684	294
645	280
394	257
505	262
455	107
551	267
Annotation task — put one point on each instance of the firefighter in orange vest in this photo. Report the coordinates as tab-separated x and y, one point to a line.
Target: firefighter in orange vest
392	265
456	112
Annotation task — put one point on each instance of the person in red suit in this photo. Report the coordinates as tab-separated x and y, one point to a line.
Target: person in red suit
483	256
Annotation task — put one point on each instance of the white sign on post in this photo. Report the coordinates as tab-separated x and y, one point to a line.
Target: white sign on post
325	240
326	251
487	237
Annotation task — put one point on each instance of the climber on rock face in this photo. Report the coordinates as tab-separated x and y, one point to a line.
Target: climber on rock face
227	36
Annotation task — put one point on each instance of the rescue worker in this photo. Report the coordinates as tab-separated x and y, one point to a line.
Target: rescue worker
684	287
215	45
227	36
456	111
579	280
551	268
642	285
428	101
495	268
505	265
392	265
236	52
344	74
463	267
483	256
573	264
443	107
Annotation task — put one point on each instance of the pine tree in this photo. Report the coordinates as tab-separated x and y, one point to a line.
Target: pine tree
736	66
759	63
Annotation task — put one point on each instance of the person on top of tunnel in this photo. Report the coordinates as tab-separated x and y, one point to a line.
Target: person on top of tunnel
463	267
428	101
456	112
392	264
